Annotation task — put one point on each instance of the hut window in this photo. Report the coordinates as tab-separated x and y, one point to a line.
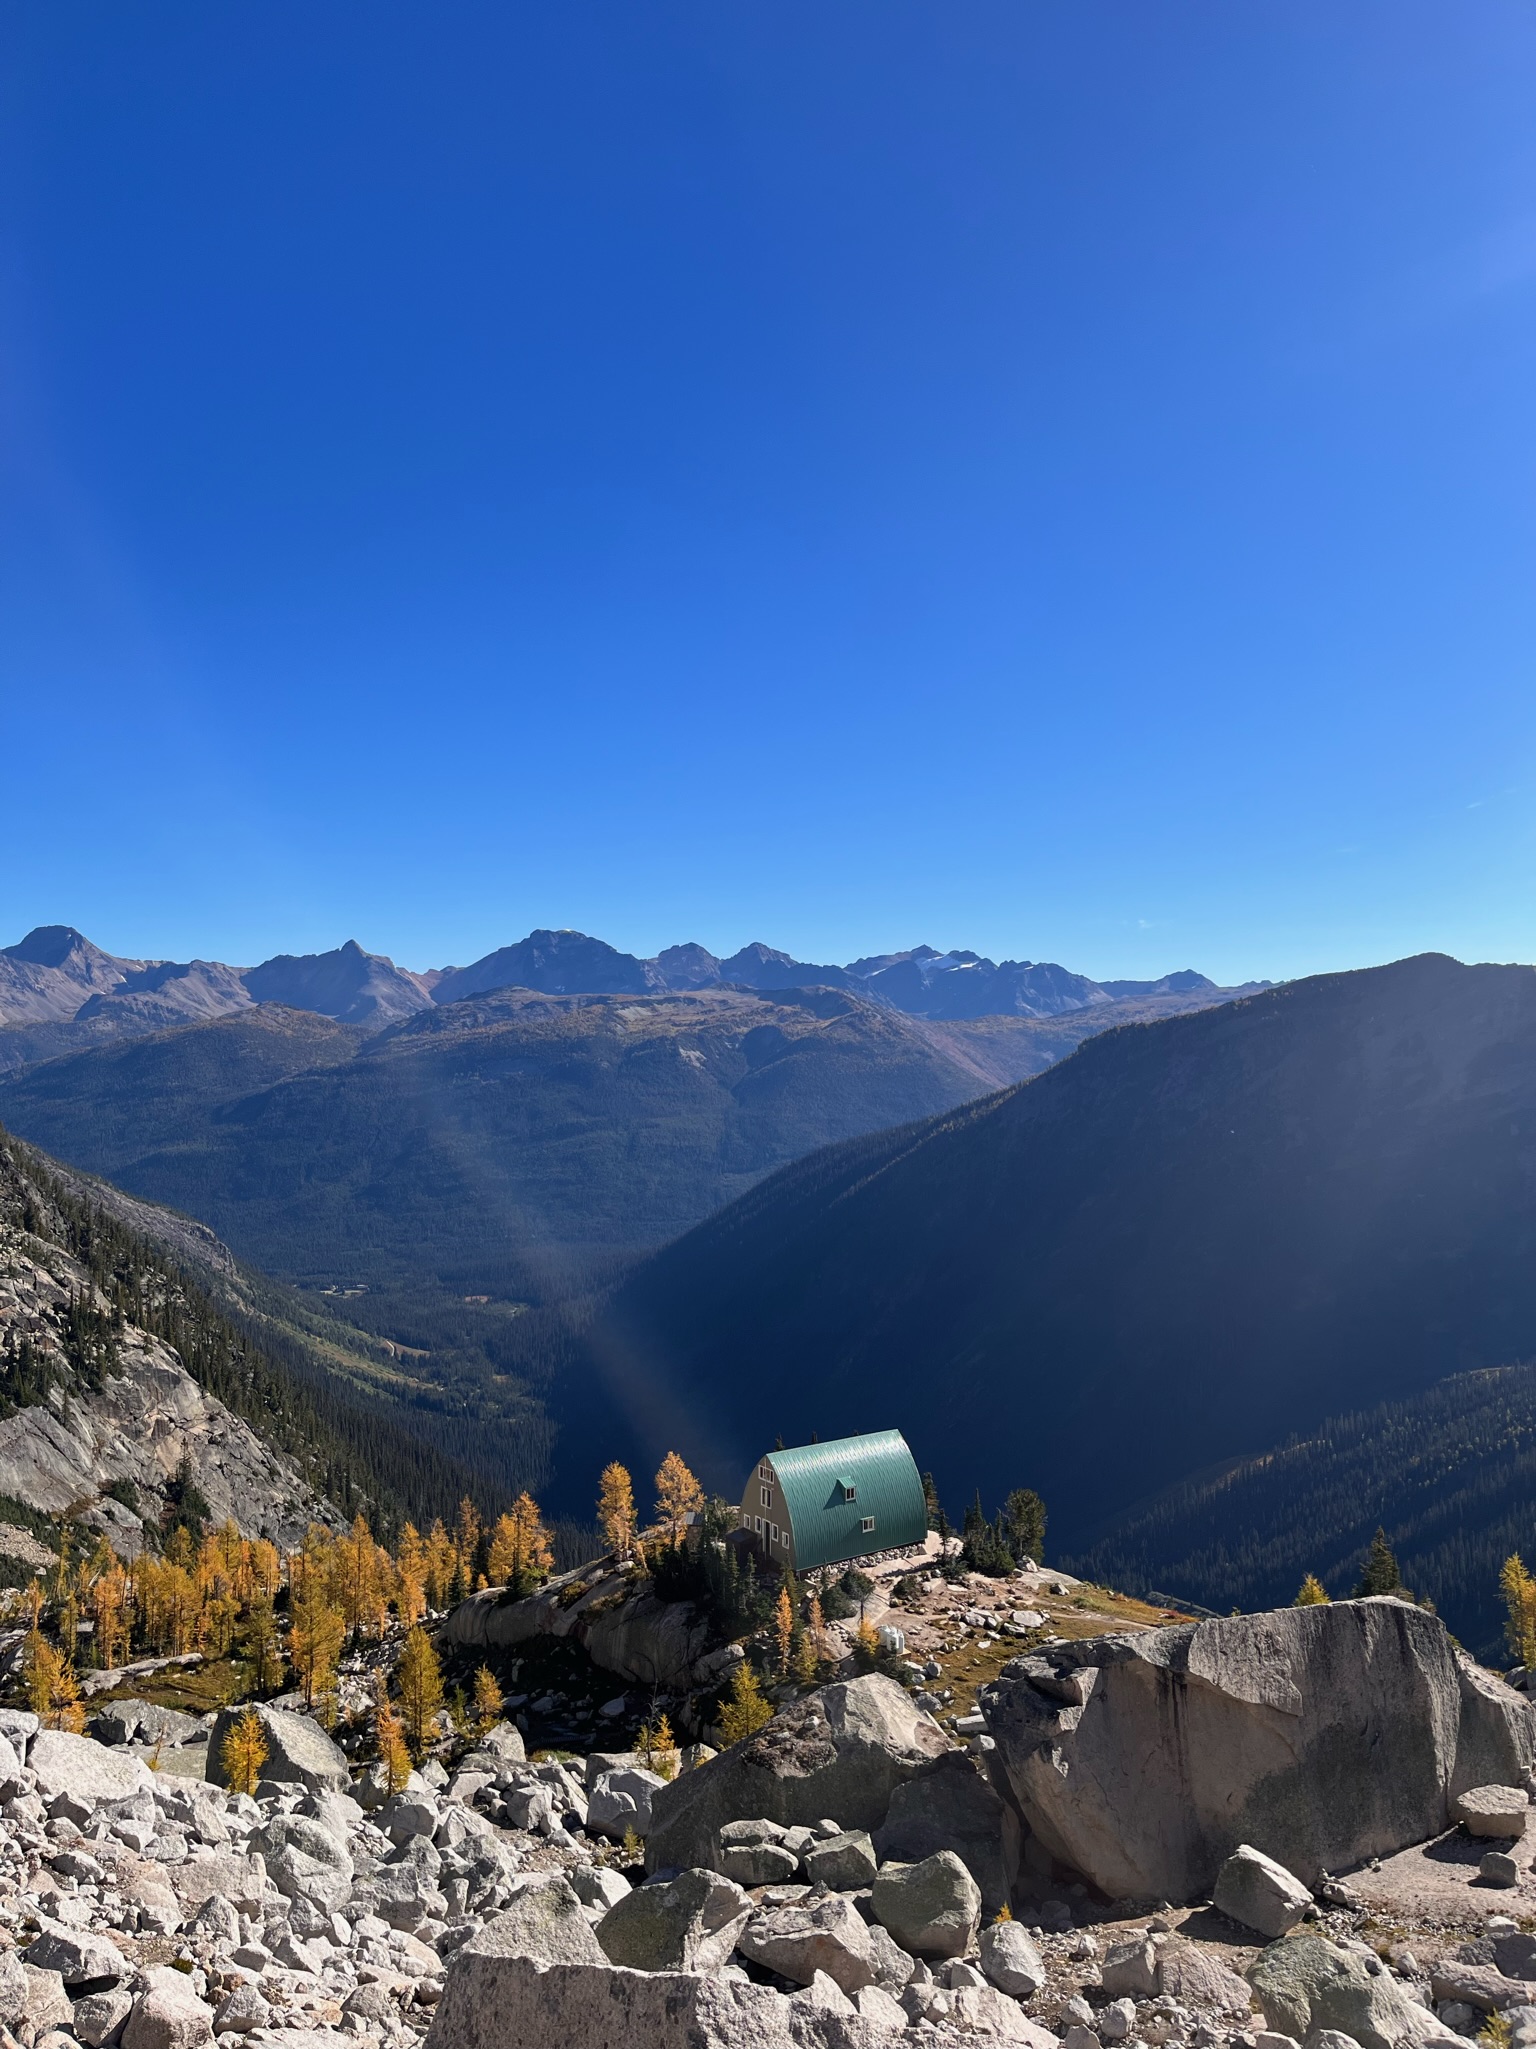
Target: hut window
850	1492
767	1497
867	1525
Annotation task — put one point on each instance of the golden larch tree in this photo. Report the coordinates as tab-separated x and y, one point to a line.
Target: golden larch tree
616	1509
1519	1591
52	1692
816	1632
316	1630
466	1541
439	1564
678	1495
411	1576
521	1553
420	1680
362	1579
784	1629
109	1611
746	1711
389	1738
488	1702
243	1752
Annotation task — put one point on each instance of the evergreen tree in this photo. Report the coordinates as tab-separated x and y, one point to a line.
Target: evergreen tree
931	1501
260	1645
1024	1521
1381	1575
1311	1594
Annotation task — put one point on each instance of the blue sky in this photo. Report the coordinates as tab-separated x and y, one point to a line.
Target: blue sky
1054	478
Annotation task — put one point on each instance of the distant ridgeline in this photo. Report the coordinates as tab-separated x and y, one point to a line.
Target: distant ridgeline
1450	1474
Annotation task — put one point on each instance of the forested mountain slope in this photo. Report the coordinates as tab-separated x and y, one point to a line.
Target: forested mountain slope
129	1341
1450	1474
488	1139
1178	1246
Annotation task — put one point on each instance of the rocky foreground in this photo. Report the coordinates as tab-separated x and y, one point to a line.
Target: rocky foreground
848	1877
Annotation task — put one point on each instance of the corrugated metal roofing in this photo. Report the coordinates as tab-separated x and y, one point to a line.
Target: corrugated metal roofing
828	1527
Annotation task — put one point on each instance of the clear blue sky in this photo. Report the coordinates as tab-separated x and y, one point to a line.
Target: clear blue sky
1053	477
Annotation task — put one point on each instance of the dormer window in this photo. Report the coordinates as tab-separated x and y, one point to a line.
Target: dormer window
850	1492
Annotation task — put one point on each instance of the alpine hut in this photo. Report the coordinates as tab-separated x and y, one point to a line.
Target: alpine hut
826	1504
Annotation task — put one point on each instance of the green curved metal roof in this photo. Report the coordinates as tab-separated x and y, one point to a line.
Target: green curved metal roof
828	1528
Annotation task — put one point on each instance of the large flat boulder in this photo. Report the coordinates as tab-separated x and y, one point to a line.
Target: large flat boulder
299	1753
837	1754
74	1764
501	2002
1492	1810
232	1874
141	1721
1319	1736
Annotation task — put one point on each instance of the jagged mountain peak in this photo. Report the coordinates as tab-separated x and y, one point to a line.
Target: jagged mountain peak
348	984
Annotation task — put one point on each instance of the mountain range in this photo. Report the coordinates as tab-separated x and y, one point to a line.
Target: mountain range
58	990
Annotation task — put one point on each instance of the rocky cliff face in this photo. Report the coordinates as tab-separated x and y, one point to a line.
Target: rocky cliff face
89	1397
622	1630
